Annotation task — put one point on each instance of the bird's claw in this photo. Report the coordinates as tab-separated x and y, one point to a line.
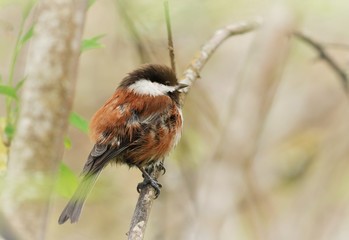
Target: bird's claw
150	181
162	168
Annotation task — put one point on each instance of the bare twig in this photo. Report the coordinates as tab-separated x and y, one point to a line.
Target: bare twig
192	72
169	36
146	197
45	105
326	57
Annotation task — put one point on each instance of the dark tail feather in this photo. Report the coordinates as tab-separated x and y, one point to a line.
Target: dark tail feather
73	209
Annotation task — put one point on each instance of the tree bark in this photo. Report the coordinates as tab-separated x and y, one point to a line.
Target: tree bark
45	105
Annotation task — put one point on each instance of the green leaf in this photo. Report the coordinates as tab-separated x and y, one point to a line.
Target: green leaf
8	91
67	181
90	3
67	142
10	131
28	35
92	43
79	122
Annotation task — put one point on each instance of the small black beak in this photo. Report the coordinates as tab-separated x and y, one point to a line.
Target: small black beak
181	86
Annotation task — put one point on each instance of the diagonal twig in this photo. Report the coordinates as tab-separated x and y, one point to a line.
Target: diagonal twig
192	72
326	57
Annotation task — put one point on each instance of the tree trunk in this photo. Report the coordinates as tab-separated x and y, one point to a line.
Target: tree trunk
45	105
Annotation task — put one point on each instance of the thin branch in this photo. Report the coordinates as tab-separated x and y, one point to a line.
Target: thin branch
326	57
169	36
192	72
136	38
146	196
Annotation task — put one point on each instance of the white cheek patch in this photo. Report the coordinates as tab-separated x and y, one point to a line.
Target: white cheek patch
146	87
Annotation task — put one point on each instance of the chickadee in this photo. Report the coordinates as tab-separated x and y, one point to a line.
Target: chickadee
138	126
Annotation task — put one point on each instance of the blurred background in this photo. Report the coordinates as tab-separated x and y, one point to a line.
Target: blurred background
295	182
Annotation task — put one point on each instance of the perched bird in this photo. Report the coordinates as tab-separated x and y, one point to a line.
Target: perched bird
138	126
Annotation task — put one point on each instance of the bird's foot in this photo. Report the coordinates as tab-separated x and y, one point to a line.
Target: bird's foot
152	182
159	165
148	180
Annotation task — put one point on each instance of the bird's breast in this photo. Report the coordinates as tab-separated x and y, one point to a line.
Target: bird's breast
157	139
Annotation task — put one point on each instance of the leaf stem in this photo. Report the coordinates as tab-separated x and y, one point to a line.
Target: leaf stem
16	51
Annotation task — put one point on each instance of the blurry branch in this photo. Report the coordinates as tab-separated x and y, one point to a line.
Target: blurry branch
146	197
326	57
259	81
136	38
336	45
45	105
169	36
6	230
